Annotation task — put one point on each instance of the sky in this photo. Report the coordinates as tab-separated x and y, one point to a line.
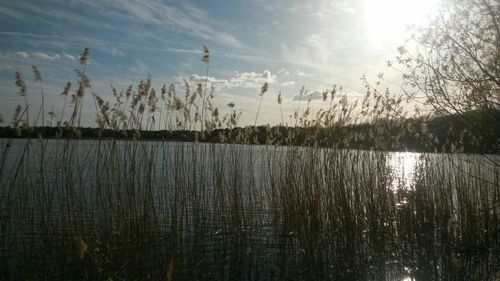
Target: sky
288	43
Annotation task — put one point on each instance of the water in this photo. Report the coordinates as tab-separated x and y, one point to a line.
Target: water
233	212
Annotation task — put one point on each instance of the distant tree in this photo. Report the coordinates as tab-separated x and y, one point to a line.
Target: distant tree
454	63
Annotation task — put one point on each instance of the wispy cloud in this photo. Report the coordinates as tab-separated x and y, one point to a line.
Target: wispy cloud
186	19
331	9
179	50
6	67
53	14
10	13
252	58
63	41
315	51
34	56
140	68
320	8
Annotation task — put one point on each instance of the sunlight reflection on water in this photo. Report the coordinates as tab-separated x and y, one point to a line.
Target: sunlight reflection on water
404	172
404	179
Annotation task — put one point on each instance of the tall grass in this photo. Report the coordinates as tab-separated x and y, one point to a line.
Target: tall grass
138	210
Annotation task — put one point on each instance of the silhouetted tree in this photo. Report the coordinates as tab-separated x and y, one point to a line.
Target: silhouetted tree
455	63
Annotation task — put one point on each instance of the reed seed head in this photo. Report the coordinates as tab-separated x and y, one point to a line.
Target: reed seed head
67	88
100	101
17	113
188	89
36	73
128	93
81	90
178	103
84	58
83	78
171	90
142	107
20	84
163	91
206	55
199	90
212	91
264	88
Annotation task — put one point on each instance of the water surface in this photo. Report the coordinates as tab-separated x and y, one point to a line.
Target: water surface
242	212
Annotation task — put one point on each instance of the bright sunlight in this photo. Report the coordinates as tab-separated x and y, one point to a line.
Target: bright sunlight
387	20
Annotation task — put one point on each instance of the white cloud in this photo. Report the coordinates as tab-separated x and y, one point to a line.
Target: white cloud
239	80
316	95
196	79
68	56
288	84
21	55
43	56
302	74
251	79
34	56
283	71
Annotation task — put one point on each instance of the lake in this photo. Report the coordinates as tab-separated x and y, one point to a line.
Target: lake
108	209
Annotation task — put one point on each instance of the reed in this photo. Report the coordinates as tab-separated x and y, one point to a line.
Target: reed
134	209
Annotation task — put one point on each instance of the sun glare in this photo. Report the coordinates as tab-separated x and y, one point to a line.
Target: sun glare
404	170
387	20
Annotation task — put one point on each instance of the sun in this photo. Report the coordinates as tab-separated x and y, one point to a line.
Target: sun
387	20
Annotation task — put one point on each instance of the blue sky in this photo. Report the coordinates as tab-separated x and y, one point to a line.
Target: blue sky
287	43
